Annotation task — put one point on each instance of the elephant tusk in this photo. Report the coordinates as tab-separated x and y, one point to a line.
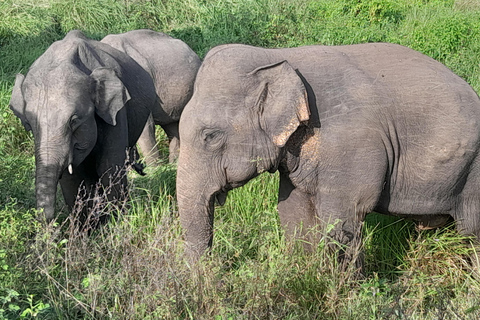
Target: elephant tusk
70	169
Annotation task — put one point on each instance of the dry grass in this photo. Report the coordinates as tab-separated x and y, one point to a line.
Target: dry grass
467	4
133	268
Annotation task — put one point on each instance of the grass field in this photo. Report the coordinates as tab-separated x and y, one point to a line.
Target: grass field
134	269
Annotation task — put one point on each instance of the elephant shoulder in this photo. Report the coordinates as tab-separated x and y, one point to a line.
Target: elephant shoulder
75	34
226	49
147	34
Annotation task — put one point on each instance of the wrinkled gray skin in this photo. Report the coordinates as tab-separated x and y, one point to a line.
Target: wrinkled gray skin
173	67
351	129
86	103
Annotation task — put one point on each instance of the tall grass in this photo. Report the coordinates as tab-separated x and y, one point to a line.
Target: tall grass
133	267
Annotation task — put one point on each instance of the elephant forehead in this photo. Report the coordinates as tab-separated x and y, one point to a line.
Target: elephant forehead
221	83
219	95
68	77
62	85
219	111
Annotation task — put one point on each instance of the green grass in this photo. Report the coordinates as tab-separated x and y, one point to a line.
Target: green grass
134	268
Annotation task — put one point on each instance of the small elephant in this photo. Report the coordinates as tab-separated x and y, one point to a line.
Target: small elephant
173	67
351	129
86	104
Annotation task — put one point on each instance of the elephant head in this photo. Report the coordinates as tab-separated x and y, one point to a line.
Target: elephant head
235	127
61	105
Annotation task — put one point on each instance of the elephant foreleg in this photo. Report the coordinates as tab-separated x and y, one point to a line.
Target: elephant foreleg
344	221
297	214
78	188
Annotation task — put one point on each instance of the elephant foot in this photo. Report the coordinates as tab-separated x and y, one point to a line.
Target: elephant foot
138	167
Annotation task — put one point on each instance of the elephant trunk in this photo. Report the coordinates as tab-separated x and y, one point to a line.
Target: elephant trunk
195	196
46	189
49	168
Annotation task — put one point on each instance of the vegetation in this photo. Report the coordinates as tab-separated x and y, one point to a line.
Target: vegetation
133	268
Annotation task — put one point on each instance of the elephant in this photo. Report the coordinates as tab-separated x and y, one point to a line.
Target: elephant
173	65
86	104
351	129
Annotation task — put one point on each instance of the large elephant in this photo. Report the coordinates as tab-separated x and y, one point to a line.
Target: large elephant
173	67
86	104
351	129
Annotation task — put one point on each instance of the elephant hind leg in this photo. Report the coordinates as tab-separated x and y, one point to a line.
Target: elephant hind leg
174	141
467	210
147	144
467	216
467	220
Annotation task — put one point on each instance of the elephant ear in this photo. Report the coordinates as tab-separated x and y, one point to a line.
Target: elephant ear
110	94
282	101
17	103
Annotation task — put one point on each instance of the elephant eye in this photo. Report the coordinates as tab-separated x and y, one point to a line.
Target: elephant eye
213	138
74	121
80	146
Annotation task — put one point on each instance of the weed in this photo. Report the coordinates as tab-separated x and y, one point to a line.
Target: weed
133	267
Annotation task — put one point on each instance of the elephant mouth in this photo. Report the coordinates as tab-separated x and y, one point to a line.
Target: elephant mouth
234	185
221	195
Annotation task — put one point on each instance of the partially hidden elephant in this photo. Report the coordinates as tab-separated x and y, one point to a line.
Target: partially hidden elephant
351	129
86	104
173	65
